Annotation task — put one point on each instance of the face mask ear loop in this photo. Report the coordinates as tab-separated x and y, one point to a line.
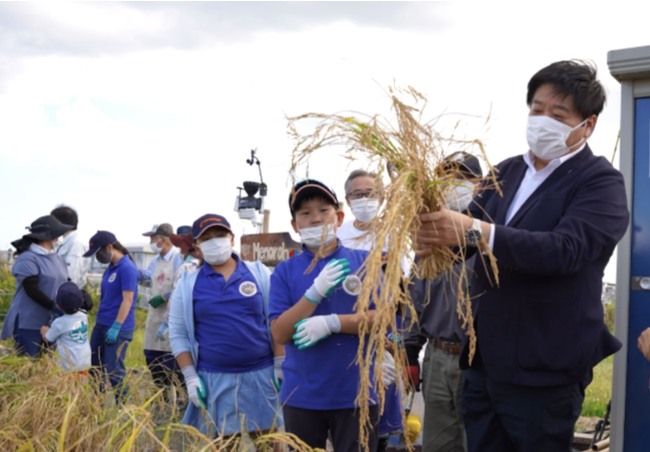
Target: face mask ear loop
582	140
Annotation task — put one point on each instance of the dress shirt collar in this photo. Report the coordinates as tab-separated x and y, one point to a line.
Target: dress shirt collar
529	158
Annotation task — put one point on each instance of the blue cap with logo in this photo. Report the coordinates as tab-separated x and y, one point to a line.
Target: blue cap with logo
207	221
99	240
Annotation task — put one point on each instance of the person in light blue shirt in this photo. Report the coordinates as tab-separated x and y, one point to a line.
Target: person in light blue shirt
116	314
219	333
70	331
312	312
38	272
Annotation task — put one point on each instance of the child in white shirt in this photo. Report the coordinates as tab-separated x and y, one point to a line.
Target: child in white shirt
70	331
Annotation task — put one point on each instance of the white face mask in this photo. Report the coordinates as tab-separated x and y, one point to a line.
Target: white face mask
155	248
461	195
216	251
313	237
56	244
364	209
547	137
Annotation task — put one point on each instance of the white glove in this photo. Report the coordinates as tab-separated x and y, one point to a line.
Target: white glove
314	329
278	375
195	387
388	369
331	276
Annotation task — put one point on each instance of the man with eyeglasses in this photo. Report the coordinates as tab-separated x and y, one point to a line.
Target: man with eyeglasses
364	194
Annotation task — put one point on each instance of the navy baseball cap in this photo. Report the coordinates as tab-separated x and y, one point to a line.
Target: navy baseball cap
309	188
207	221
466	162
182	230
69	297
99	240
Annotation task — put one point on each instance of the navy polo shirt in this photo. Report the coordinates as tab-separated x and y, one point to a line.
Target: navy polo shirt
325	376
117	278
229	322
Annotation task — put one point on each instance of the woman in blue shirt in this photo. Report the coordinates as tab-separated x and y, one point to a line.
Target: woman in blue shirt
218	329
116	315
38	272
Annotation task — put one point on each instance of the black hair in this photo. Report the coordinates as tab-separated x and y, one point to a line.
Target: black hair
575	78
22	245
296	206
118	246
74	311
66	215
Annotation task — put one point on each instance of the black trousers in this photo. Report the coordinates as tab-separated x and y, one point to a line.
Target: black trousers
503	417
312	427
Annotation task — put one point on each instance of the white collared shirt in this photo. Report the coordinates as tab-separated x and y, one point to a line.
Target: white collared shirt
72	250
531	182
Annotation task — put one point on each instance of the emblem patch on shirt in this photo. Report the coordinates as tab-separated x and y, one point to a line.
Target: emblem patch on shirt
247	288
352	285
112	277
80	332
161	278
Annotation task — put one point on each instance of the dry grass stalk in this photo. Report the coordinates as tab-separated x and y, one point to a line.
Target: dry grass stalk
414	154
44	409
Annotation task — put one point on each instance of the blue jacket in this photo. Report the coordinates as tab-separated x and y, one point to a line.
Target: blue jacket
543	325
181	313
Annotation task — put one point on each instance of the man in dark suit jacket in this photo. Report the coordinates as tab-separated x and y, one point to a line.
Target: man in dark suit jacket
541	330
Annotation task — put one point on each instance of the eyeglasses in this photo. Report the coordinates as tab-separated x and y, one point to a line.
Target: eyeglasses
360	194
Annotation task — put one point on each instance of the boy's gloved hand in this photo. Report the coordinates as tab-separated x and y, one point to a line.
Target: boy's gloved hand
160	334
388	369
278	375
156	301
331	276
315	329
111	335
195	387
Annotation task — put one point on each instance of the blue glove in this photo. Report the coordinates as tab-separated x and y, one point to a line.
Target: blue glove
111	335
161	331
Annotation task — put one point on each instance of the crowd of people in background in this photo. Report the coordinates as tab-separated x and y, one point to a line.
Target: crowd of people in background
257	350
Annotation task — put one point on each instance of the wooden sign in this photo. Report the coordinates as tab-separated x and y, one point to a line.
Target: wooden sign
271	249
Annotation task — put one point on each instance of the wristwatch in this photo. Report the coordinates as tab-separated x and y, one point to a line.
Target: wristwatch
473	235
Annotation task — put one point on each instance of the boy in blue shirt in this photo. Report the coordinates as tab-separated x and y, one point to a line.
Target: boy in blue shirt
312	312
70	331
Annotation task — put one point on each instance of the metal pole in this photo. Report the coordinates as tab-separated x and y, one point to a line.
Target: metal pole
267	219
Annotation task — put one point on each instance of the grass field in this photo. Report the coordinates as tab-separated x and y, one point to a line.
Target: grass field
29	383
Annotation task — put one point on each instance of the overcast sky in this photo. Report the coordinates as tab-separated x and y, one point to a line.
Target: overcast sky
141	113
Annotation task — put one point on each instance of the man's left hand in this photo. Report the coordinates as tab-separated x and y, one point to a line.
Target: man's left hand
442	228
644	343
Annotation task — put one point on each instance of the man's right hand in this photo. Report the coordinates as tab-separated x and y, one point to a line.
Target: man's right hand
331	276
644	343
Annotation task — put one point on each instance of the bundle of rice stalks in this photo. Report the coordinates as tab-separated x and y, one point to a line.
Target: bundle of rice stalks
414	154
42	408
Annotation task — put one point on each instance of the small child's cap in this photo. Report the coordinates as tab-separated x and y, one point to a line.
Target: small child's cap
69	297
310	187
